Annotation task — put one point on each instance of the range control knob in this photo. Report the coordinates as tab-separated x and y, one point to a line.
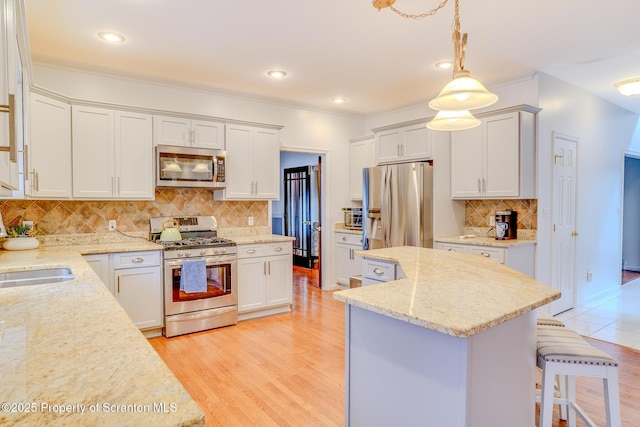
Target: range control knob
203	252
223	251
187	253
179	254
216	251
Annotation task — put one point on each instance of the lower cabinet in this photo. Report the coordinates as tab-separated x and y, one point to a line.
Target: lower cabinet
265	279
519	257
135	279
348	263
378	271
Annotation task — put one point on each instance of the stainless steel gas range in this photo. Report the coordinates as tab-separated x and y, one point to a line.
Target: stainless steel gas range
187	311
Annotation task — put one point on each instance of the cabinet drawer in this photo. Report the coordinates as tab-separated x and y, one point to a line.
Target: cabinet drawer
264	249
349	239
136	259
379	270
496	254
451	247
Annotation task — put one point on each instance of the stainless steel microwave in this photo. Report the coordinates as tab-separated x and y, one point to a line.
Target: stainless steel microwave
178	166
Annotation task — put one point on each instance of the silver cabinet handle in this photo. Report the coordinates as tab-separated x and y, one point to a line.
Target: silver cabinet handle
398	150
37	182
11	110
344	239
378	271
251	251
269	269
485	254
118	284
264	267
137	260
452	250
484	185
278	249
479	187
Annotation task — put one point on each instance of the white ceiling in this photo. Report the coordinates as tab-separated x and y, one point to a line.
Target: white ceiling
377	60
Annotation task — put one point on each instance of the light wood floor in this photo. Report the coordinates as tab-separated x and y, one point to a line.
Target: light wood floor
288	369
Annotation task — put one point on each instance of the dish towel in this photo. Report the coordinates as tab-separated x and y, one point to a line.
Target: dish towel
193	276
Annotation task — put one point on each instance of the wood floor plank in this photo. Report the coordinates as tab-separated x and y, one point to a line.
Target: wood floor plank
288	369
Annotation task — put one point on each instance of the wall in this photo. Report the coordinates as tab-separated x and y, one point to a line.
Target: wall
304	130
73	217
604	131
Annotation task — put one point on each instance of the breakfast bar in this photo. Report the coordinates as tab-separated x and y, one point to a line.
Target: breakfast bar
450	341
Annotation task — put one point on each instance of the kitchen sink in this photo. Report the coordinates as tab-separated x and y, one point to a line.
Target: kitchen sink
35	277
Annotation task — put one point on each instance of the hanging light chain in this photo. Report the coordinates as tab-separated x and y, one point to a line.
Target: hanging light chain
422	15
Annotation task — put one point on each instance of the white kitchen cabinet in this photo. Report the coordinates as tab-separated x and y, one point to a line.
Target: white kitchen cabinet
188	132
495	160
48	147
100	264
112	154
137	282
519	257
347	262
252	163
403	144
362	154
8	91
265	279
377	271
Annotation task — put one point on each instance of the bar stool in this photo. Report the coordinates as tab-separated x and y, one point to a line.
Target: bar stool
561	351
560	386
546	319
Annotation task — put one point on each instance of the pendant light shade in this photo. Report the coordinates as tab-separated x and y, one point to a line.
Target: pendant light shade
453	120
463	93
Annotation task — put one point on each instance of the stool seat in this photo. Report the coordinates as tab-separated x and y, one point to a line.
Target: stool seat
561	351
545	318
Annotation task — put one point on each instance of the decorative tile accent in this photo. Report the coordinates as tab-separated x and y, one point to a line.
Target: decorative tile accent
478	212
74	216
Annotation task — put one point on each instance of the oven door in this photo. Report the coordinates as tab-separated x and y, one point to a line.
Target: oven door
221	286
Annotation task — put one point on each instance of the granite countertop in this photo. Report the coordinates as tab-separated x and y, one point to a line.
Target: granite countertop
484	241
340	228
70	355
453	293
261	238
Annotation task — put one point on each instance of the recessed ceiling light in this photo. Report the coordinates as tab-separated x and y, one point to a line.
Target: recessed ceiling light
629	87
276	74
111	37
444	65
339	100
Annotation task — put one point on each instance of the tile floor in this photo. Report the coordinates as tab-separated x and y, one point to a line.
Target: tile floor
614	319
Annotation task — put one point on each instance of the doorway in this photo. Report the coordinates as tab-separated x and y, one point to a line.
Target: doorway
630	213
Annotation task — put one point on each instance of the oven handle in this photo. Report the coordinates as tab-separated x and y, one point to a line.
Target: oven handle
209	260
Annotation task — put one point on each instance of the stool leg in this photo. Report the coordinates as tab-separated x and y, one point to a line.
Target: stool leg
612	397
562	393
546	400
571	398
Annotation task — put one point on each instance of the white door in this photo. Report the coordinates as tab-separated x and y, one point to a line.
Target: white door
563	249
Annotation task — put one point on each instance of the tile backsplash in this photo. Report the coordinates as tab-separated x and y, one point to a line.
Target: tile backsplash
75	216
478	212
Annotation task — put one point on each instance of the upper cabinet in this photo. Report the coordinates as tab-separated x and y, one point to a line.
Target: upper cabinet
496	160
9	64
48	148
362	154
112	154
403	144
252	163
187	132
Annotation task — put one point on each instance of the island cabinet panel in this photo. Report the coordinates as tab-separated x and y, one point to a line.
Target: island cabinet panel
402	374
519	257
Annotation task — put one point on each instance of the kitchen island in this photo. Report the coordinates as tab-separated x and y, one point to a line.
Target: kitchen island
70	355
450	342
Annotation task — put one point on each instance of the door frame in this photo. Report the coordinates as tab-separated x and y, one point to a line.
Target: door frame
325	208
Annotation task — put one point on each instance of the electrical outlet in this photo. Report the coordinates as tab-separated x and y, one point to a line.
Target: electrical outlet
112	225
589	276
250	220
27	223
492	221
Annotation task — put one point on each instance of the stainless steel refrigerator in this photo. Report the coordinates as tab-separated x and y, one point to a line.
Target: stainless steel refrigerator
397	201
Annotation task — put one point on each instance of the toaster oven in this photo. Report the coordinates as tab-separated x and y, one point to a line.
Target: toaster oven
352	218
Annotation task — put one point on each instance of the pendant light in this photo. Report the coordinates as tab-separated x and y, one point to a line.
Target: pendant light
453	120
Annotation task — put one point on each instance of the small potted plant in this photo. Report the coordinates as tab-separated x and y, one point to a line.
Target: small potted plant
21	237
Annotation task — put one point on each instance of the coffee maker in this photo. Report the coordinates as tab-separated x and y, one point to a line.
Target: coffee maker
506	225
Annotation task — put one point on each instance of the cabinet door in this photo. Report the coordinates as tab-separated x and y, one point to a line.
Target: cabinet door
252	287
360	156
451	247
133	156
344	264
389	145
99	263
417	143
171	130
279	280
139	292
93	152
49	148
495	254
266	164
502	156
208	134
466	163
239	162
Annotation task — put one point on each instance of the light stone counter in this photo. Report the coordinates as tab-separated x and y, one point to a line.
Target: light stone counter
71	343
484	241
340	228
453	293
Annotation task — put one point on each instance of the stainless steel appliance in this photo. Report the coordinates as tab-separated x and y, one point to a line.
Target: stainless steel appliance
506	225
178	166
352	218
187	312
398	202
